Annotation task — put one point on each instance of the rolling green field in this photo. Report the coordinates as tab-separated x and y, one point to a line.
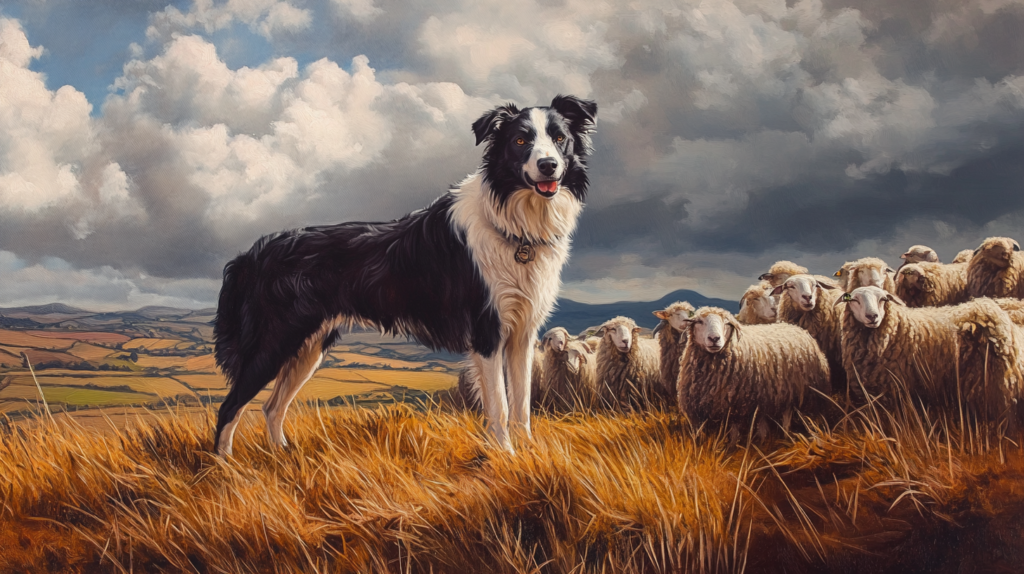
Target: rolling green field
130	359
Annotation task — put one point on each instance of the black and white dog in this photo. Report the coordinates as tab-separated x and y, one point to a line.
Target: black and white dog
477	272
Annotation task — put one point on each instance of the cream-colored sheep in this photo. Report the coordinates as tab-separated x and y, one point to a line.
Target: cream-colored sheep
671	340
729	371
628	373
866	271
782	270
919	253
810	305
964	256
570	378
938	353
996	269
757	306
932	284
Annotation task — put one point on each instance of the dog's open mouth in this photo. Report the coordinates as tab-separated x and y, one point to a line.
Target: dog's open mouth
545	188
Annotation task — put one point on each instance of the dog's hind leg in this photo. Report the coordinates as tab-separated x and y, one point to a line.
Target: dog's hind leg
294	373
230	414
519	359
492	392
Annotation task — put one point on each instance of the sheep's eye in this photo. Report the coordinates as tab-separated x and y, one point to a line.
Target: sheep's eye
520	141
559	138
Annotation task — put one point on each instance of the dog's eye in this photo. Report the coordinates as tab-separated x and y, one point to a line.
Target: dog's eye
520	141
559	138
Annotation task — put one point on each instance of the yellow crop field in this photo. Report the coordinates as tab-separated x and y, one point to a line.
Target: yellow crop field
423	380
201	364
72	396
146	362
23	339
160	386
90	352
213	382
371	361
324	389
150	344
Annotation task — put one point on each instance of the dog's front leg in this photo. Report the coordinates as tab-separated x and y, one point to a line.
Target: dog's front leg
519	361
492	393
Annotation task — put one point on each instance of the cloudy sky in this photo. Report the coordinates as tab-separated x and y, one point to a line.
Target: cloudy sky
143	144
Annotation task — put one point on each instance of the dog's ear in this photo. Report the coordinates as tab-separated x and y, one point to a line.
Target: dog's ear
485	127
582	116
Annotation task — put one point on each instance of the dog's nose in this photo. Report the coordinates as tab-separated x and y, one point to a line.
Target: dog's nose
547	165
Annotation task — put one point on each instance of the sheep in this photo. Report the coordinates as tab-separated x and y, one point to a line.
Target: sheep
757	306
995	269
938	353
570	377
729	371
809	304
628	373
932	284
671	341
919	253
565	382
964	256
781	271
866	271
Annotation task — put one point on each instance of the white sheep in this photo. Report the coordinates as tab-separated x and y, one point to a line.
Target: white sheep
729	371
671	332
628	373
866	271
757	306
939	354
996	269
932	284
810	304
782	270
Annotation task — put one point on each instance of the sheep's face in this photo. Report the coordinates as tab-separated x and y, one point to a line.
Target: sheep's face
999	250
676	315
870	274
763	304
712	331
621	335
912	277
781	271
575	358
555	339
919	253
802	290
868	305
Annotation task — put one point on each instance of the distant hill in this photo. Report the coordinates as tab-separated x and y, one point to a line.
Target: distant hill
49	309
576	316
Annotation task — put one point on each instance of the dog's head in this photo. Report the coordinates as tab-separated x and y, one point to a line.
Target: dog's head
543	149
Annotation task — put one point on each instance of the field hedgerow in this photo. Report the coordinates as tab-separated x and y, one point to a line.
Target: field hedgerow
404	489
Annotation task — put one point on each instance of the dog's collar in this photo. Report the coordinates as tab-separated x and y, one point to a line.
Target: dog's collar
525	251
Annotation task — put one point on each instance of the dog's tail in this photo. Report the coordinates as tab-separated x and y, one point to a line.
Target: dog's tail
232	327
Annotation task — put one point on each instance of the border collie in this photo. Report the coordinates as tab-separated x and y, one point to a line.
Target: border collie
476	272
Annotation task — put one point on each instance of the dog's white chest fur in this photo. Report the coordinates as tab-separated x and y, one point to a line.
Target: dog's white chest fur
522	294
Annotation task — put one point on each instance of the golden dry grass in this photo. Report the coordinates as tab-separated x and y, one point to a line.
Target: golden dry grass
395	489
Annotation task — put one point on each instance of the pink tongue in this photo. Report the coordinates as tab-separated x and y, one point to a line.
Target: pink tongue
547	186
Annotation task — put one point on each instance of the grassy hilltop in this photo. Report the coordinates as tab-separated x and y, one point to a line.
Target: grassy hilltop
104	486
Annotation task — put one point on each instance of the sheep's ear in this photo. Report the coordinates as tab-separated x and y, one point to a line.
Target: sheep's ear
889	270
636	329
778	290
488	124
976	251
661	325
838	273
824	285
905	255
663	315
1016	246
894	299
765	277
736	327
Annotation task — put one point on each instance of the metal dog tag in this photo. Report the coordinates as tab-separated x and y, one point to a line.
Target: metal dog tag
525	253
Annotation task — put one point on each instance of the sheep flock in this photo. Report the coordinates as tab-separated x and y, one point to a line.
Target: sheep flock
942	336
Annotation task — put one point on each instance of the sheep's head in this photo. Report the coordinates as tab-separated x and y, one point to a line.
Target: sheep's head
620	332
712	328
915	277
781	271
676	314
964	256
555	339
868	304
803	290
998	250
919	253
843	275
868	271
576	355
759	299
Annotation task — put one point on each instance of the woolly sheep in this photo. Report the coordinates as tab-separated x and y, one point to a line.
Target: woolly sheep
757	306
567	380
671	341
782	270
933	351
932	284
628	373
995	269
866	271
964	256
810	305
729	371
919	253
